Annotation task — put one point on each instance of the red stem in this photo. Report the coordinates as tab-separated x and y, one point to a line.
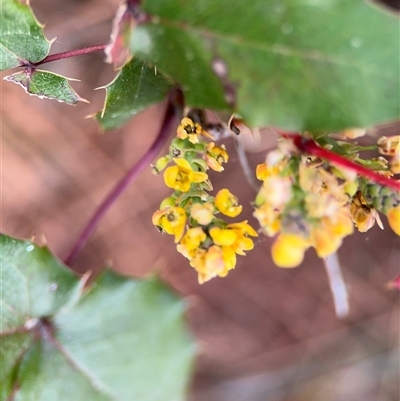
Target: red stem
70	53
173	110
310	147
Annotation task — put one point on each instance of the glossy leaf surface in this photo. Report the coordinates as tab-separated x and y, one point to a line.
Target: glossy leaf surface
297	64
136	87
46	85
21	35
119	339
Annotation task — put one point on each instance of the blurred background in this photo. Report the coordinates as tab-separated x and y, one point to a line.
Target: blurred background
264	333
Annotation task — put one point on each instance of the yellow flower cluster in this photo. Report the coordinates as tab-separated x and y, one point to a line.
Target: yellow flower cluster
212	248
303	204
308	203
181	176
190	213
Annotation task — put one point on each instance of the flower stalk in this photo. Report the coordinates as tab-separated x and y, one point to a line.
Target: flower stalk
173	110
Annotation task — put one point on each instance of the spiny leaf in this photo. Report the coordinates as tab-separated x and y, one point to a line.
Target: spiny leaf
136	87
297	64
32	284
21	35
140	350
58	343
46	85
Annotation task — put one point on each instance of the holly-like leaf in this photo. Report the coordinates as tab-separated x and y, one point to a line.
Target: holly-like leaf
21	35
297	64
120	339
45	85
33	284
136	87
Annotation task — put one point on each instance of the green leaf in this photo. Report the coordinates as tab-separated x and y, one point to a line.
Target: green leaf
46	374
120	339
144	333
21	35
136	87
46	85
32	284
297	64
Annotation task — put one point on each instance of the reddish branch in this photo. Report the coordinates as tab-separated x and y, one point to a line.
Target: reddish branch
173	111
310	147
71	53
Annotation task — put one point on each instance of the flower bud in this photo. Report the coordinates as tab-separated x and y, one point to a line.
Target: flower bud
160	165
167	202
288	250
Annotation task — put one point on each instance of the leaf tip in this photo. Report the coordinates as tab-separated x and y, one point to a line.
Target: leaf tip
101	87
85	279
81	99
89	116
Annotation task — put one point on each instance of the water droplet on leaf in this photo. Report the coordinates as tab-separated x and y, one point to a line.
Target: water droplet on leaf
219	67
279	7
356	42
286	28
53	287
30	248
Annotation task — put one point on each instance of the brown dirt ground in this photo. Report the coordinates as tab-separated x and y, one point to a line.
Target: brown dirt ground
265	334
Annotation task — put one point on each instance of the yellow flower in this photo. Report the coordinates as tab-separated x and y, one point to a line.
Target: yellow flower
191	242
203	213
227	203
215	261
325	241
393	216
364	216
171	220
311	180
263	171
223	236
242	231
189	129
215	156
288	250
181	176
341	223
276	191
327	237
268	219
235	236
